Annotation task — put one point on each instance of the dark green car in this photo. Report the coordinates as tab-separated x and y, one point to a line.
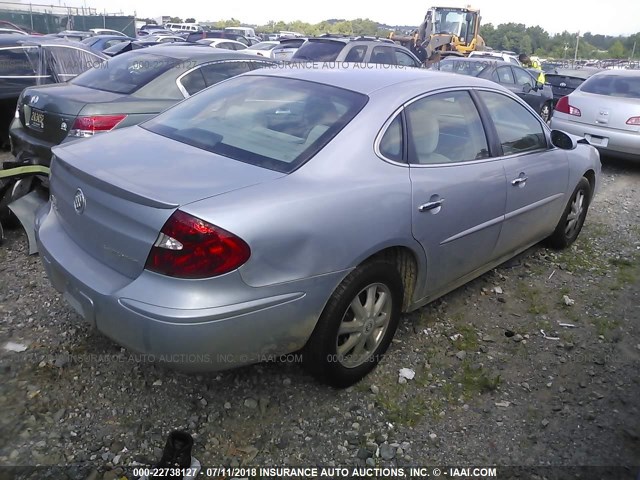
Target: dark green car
124	91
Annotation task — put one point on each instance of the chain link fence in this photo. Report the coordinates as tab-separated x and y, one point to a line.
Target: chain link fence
41	18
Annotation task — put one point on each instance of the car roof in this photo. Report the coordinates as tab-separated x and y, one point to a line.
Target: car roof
583	73
619	73
495	60
196	52
369	78
36	40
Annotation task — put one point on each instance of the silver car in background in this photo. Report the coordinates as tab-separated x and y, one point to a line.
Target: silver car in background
604	109
298	209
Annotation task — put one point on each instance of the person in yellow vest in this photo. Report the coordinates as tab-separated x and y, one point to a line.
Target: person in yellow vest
532	63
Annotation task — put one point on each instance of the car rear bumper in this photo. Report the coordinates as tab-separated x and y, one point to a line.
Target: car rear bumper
259	324
619	143
28	148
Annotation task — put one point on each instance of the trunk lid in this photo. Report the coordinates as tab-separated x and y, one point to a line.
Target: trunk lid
605	111
131	181
48	112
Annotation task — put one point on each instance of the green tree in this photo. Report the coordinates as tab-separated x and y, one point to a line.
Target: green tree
174	20
617	50
190	20
524	45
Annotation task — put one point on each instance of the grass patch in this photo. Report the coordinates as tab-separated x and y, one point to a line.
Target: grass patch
604	325
468	339
476	381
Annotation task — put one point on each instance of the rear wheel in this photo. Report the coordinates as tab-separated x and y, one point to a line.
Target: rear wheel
573	217
356	326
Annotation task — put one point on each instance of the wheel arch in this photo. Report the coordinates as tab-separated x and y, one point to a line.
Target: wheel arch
406	262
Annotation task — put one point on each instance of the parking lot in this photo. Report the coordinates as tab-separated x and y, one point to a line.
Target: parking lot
534	363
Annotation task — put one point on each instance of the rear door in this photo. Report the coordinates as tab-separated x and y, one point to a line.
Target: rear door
537	175
458	191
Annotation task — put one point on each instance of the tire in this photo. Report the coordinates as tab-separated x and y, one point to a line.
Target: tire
342	359
545	112
573	217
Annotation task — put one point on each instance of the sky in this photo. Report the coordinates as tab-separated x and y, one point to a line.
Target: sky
555	16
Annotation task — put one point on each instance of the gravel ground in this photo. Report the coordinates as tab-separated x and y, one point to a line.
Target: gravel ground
489	388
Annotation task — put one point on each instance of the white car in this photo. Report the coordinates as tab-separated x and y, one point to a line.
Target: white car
262	49
498	56
223	43
106	31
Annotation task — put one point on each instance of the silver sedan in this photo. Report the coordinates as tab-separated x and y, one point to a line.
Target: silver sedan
605	110
303	210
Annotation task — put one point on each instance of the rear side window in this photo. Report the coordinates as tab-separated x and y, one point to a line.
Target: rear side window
391	144
319	51
518	129
445	128
217	72
126	73
504	75
613	86
356	54
69	62
272	122
193	82
383	55
15	62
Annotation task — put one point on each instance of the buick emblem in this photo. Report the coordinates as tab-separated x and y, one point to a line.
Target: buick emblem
63	126
79	202
563	85
35	99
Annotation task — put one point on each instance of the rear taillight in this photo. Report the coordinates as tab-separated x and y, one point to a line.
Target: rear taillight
88	126
563	107
188	247
633	121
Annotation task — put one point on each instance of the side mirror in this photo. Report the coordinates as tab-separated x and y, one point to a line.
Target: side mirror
563	140
526	88
539	85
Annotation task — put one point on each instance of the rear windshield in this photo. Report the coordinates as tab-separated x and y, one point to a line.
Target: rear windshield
126	73
319	51
557	80
613	86
464	68
264	46
272	122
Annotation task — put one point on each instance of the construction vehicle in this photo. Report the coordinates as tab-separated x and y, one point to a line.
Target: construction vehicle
445	31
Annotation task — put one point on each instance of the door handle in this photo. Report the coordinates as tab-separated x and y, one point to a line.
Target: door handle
431	205
519	181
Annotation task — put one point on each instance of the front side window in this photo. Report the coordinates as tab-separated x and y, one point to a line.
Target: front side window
518	129
272	122
522	77
402	58
445	128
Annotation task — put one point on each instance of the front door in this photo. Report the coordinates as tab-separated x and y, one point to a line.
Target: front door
458	191
536	174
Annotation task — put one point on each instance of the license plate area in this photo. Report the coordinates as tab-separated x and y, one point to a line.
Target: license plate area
34	119
80	303
597	141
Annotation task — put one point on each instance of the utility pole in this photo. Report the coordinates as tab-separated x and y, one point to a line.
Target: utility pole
575	58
